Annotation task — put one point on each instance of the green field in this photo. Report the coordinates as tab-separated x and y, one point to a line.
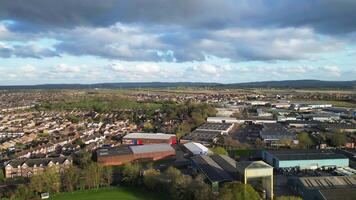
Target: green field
109	194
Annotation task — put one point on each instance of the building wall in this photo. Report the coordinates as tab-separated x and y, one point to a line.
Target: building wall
126	158
313	163
11	172
270	159
171	140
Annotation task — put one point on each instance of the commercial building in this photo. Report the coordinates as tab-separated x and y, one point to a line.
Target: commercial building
273	133
304	159
29	167
123	155
208	133
239	121
221	120
325	188
216	168
196	148
149	138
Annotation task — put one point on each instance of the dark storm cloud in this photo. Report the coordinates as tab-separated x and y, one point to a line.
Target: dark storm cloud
327	16
181	30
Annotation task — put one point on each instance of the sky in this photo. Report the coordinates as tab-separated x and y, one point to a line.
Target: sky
225	41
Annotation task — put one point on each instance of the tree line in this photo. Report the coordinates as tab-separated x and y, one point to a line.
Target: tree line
70	179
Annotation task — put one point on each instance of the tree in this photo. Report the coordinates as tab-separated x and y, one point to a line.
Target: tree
82	159
106	176
219	150
199	190
183	129
37	183
150	178
2	176
288	198
147	126
178	184
49	181
131	174
197	118
338	139
70	179
304	140
92	175
52	180
238	191
173	174
24	192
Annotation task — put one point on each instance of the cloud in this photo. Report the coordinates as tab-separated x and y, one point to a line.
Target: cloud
332	70
64	68
139	71
25	51
114	42
327	16
241	44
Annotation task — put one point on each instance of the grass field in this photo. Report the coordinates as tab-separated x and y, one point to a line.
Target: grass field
109	194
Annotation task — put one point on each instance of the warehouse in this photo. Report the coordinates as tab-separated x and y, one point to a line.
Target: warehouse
196	148
273	133
325	188
305	159
149	138
122	155
216	168
208	133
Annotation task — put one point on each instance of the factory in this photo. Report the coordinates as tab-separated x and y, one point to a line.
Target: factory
325	188
304	159
208	133
273	133
149	138
195	148
219	169
122	155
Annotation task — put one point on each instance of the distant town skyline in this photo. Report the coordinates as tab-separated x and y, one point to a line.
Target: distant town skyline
227	41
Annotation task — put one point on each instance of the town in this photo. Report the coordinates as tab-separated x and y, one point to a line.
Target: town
205	143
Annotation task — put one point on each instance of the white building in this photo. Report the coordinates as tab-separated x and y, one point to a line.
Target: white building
196	148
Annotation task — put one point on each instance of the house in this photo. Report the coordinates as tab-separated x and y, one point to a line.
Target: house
29	167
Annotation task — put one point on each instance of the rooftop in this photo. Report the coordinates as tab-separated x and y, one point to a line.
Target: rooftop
305	154
150	148
114	151
328	182
212	170
215	126
162	136
337	194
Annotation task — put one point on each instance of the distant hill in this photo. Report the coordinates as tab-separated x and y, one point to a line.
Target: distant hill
297	84
113	85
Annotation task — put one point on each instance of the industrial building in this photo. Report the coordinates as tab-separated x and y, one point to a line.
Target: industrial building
208	133
195	148
325	187
149	138
122	155
273	133
304	159
216	168
219	169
